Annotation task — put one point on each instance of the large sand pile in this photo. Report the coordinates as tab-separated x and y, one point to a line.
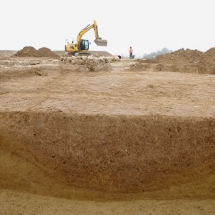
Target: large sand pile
29	51
45	52
192	61
180	56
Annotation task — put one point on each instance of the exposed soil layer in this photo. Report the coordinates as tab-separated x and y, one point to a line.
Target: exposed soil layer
119	154
131	139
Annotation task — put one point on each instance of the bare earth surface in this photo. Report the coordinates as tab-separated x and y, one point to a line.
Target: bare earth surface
124	137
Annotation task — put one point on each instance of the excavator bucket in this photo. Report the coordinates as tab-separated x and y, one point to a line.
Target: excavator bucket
100	42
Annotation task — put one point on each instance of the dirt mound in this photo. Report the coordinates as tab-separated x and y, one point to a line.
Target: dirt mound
45	52
29	51
181	56
181	53
191	61
210	52
209	57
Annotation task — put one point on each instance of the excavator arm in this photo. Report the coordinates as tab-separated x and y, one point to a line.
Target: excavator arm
98	40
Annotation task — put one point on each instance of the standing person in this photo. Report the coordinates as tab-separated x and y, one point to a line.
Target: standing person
130	52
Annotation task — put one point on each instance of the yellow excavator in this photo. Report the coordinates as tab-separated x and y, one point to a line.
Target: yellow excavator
81	46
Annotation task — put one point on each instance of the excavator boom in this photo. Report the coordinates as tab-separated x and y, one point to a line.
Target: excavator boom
99	41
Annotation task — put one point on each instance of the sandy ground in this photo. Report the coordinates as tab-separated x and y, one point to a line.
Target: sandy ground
132	140
13	202
115	92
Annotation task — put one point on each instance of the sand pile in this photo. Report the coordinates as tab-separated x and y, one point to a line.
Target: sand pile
29	51
180	56
208	57
45	52
191	61
210	53
184	56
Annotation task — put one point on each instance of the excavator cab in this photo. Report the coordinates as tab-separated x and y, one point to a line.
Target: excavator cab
84	45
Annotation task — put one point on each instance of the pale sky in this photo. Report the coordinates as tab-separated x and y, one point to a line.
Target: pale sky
146	25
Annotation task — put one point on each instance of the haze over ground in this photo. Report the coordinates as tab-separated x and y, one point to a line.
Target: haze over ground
146	25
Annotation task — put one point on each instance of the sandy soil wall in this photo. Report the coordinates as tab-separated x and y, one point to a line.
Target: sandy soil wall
121	137
115	154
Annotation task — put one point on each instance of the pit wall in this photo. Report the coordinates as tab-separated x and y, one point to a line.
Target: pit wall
112	154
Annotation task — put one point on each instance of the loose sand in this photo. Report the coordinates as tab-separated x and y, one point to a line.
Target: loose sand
137	139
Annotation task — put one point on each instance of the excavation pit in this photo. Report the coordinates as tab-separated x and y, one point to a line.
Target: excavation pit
108	135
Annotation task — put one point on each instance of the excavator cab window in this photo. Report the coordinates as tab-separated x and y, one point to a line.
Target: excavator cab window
84	45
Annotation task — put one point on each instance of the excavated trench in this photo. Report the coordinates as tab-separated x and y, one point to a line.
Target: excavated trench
109	134
101	156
